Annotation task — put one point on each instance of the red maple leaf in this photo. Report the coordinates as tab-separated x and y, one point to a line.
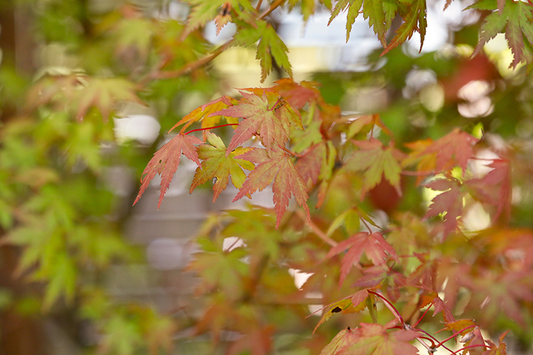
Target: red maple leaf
266	115
297	95
373	245
449	201
310	164
275	167
165	162
454	149
499	177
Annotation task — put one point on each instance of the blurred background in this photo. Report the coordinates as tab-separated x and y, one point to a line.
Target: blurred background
81	270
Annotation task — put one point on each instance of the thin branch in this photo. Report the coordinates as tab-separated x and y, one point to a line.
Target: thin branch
272	7
316	230
366	225
191	66
258	6
456	334
423	315
390	306
469	347
417	173
206	128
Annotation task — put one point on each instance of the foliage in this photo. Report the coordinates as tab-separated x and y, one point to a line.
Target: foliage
384	201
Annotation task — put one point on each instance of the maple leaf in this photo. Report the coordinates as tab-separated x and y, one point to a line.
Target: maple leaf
217	164
203	11
458	326
297	95
373	245
104	95
501	349
266	115
353	304
275	167
438	306
454	149
426	162
449	201
223	17
310	164
377	162
484	188
165	163
513	18
343	339
269	46
374	339
205	114
258	340
382	277
414	19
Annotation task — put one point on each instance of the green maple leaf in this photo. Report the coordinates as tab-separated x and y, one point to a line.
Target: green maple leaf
104	95
165	162
277	168
217	164
264	114
515	18
269	46
376	161
414	19
374	12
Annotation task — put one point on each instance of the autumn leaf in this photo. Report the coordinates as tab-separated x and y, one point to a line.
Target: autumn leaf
104	94
266	115
495	187
376	339
501	349
165	162
438	306
463	326
454	149
426	162
297	94
275	167
258	341
377	162
223	17
343	339
310	164
205	112
216	164
450	201
354	304
373	245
